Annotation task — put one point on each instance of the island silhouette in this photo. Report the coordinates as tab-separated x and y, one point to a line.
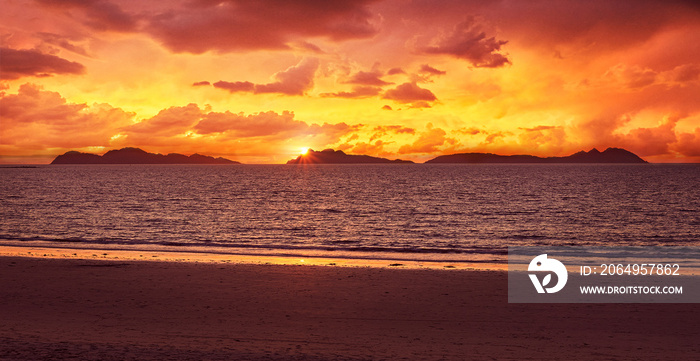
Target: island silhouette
610	155
136	156
330	156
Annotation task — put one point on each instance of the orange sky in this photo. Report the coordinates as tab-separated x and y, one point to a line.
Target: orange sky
257	81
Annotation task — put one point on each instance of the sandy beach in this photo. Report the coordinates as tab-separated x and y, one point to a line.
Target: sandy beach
60	309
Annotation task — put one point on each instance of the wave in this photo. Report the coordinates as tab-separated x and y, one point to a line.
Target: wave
343	246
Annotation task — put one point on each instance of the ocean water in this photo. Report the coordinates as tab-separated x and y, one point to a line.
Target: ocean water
451	212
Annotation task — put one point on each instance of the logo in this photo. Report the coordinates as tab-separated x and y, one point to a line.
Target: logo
542	263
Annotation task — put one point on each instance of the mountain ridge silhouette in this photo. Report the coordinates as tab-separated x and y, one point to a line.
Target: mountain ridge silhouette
132	155
330	156
610	155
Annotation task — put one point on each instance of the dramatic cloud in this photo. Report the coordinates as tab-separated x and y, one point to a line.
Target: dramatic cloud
296	80
171	121
236	86
251	125
100	15
469	42
550	137
394	71
428	141
191	119
36	119
21	63
48	117
409	93
635	77
685	73
369	78
62	42
631	76
384	130
584	74
192	125
235	25
427	69
688	144
662	140
368	148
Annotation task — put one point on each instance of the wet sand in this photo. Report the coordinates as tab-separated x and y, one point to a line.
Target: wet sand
60	309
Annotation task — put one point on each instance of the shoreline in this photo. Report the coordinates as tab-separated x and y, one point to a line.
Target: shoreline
97	309
111	254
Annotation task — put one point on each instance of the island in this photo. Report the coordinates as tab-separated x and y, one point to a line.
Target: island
136	156
610	155
330	156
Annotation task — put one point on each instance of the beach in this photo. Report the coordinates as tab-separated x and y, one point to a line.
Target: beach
93	309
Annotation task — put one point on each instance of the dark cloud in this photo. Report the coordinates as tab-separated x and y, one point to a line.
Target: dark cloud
469	42
235	25
600	25
409	93
387	107
305	45
99	15
632	76
427	69
236	86
63	42
394	71
21	63
296	80
686	73
357	92
201	83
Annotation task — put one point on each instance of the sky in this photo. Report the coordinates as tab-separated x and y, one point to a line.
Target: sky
258	81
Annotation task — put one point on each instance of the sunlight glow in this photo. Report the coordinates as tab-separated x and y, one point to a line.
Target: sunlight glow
304	150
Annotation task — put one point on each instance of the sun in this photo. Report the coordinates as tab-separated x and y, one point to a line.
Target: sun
304	150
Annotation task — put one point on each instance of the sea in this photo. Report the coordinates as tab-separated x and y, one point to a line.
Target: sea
432	212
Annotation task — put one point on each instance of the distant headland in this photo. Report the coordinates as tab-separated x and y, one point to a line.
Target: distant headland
330	156
136	156
610	155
